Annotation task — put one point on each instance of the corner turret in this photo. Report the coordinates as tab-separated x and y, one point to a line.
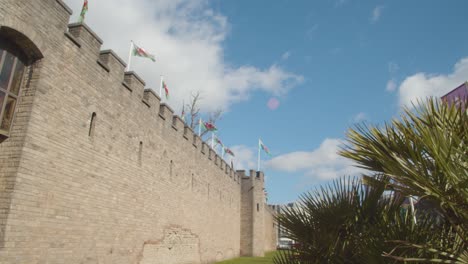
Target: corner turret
252	213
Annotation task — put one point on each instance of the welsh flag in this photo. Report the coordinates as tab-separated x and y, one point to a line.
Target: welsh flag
208	126
228	151
140	52
265	148
166	90
83	11
218	141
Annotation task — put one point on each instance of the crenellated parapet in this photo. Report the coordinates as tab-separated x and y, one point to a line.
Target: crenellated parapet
134	83
103	156
178	125
89	44
113	64
86	38
152	100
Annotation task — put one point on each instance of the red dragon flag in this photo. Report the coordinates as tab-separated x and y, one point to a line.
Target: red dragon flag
163	86
209	126
83	11
140	52
229	151
218	142
166	90
206	126
261	146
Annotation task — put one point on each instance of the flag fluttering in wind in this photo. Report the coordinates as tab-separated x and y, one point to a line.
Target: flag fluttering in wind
260	147
265	148
140	52
166	90
83	11
218	141
229	151
208	126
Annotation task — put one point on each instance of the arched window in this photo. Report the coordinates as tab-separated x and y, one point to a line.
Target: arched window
18	56
11	75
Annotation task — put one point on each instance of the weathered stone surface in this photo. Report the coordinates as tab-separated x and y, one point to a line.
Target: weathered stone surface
132	191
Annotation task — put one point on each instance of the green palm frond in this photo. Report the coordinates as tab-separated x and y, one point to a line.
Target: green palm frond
422	154
425	153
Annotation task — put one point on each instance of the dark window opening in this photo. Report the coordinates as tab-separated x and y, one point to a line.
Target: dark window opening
92	125
258	207
170	168
140	152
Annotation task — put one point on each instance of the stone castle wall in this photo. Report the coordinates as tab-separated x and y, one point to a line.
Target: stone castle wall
271	229
132	186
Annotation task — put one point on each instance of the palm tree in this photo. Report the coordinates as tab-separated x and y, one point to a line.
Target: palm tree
349	222
424	154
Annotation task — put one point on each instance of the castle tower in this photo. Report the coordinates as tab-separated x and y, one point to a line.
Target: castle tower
252	214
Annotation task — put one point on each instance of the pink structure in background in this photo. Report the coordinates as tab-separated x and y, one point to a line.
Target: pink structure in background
457	95
273	103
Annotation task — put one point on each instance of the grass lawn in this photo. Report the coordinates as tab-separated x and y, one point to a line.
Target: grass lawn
249	260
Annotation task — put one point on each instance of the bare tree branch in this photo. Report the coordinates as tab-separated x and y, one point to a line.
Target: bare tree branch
194	110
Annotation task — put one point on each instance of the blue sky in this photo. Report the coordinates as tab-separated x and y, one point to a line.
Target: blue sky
330	64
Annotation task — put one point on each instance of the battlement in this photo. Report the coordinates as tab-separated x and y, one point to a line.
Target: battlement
253	175
65	7
94	155
89	43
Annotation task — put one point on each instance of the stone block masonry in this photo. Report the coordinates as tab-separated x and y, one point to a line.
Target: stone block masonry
96	170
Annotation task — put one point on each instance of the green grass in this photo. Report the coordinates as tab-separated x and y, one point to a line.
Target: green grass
249	260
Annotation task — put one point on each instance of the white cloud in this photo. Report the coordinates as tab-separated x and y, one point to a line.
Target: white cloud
360	117
391	86
422	85
286	55
187	39
322	163
245	158
376	14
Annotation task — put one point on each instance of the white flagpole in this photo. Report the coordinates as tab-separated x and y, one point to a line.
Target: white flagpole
199	127
130	56
258	162
160	87
182	115
212	140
